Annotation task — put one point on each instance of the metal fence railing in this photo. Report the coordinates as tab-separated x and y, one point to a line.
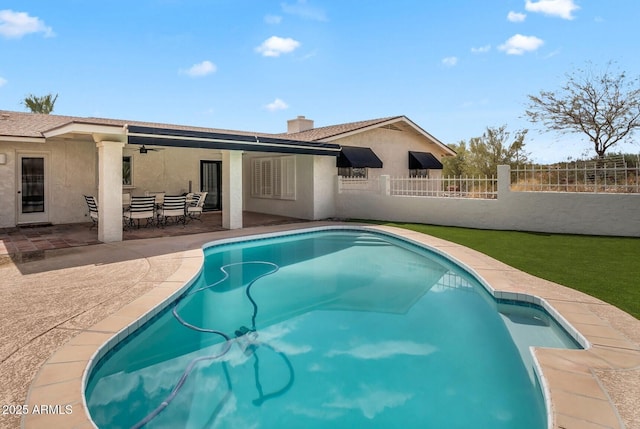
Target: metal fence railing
611	175
458	187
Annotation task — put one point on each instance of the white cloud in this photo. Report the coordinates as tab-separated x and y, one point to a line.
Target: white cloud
450	61
273	19
302	9
3	81
276	105
481	50
519	44
275	46
516	16
201	69
17	24
559	8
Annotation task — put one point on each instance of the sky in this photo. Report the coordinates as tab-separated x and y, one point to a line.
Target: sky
454	67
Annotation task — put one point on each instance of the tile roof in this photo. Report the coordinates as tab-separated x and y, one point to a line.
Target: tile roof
321	133
23	124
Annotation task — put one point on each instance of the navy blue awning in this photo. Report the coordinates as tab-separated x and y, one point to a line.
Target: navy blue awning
423	161
358	157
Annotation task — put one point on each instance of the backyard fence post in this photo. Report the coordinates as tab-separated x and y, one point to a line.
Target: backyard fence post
385	184
504	180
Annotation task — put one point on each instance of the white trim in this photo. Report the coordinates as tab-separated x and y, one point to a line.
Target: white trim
100	132
15	139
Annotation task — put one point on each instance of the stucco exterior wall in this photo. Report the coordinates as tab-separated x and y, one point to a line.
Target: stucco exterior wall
168	170
324	187
551	212
72	173
392	147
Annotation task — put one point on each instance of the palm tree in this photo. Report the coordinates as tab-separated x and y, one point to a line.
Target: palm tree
42	104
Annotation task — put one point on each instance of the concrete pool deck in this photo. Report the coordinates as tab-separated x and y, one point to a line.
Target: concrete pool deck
60	309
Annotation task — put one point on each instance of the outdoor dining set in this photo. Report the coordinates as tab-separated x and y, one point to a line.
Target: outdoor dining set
154	209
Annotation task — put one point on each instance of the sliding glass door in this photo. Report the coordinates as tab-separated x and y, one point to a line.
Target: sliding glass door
210	182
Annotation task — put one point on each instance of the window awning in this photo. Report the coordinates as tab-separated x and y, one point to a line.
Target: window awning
423	161
358	157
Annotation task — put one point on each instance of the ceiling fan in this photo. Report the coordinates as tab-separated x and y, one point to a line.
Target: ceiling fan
144	149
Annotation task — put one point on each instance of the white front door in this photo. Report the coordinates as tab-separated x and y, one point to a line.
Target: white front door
32	188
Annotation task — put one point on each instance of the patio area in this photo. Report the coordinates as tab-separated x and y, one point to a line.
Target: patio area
30	243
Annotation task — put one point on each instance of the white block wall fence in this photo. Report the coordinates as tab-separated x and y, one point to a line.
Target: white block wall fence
614	214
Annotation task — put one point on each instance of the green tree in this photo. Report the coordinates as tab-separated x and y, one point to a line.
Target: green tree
482	155
456	165
43	104
605	106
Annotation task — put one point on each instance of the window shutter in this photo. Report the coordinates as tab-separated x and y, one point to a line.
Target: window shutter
274	177
277	177
288	179
256	178
267	178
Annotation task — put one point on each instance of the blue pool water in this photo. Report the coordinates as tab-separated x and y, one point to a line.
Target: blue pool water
337	329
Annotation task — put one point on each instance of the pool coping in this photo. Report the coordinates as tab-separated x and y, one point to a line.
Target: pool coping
574	394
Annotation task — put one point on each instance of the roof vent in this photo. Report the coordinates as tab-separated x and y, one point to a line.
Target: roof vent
4	116
299	124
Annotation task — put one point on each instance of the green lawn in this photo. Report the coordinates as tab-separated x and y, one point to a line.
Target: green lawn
605	267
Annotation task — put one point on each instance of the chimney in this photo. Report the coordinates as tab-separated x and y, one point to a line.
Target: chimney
299	124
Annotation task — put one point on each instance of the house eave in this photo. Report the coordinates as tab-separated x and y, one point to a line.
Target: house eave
20	139
448	151
99	132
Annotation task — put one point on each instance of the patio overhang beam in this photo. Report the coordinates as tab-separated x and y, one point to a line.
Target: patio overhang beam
207	140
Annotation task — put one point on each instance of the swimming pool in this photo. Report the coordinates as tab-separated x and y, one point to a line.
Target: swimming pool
330	328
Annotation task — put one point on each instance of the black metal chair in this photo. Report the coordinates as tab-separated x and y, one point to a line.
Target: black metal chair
93	209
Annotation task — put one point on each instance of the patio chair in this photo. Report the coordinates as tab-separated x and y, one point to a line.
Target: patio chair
174	206
141	208
158	195
195	209
93	209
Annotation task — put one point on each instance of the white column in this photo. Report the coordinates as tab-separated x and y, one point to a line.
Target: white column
109	191
231	189
324	189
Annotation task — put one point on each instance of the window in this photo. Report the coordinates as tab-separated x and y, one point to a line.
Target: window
274	177
419	172
353	172
126	171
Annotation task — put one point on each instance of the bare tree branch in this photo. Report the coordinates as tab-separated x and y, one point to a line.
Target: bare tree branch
605	106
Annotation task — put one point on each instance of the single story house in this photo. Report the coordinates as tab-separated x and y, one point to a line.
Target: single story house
48	162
